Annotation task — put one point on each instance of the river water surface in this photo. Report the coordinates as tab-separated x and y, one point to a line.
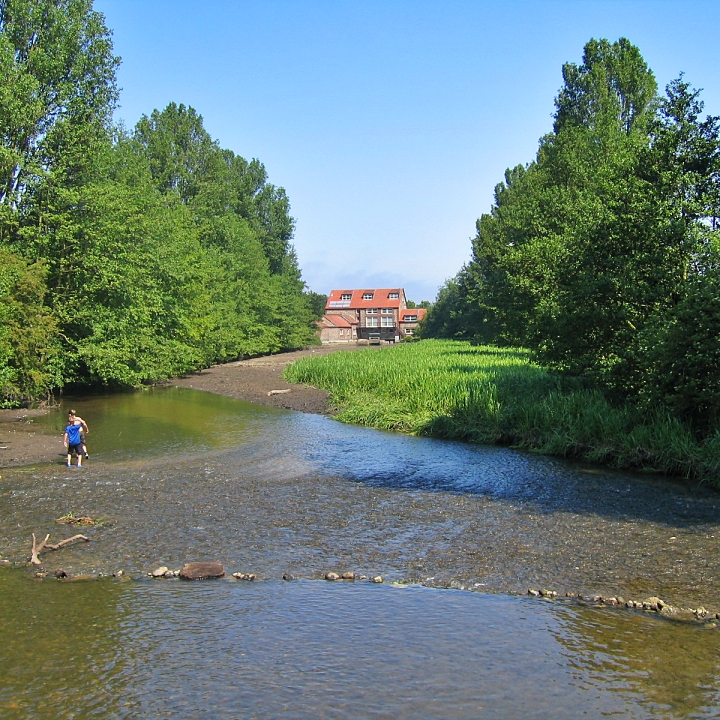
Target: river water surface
178	475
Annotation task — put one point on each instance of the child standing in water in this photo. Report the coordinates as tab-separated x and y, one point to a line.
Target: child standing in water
72	439
75	419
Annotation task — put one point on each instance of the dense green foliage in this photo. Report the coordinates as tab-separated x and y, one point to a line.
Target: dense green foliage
483	394
601	254
126	257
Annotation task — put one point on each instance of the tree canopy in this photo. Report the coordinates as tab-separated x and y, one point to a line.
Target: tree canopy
126	257
592	252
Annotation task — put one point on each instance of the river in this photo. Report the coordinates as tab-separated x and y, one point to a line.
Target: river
459	533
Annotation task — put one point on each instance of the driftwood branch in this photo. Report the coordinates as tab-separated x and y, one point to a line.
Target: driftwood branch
45	545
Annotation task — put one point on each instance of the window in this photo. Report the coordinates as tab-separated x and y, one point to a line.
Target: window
371	311
371	322
410	318
409	331
393	296
367	296
387	311
342	332
346	296
388	322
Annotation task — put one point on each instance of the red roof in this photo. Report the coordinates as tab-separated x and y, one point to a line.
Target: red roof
353	299
418	313
339	321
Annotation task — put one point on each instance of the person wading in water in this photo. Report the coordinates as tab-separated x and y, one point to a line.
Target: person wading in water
72	440
79	428
75	419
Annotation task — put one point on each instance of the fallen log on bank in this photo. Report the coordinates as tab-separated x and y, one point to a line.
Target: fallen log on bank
45	545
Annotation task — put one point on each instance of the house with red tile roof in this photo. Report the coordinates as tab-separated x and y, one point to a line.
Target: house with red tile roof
375	315
338	328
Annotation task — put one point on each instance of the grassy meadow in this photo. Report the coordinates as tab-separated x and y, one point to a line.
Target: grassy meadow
448	389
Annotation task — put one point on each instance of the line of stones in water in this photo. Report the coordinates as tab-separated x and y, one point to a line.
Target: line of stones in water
210	570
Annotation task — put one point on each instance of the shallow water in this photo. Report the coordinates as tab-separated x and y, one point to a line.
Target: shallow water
178	475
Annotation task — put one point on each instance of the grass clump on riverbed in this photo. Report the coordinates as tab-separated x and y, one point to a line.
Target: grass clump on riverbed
454	390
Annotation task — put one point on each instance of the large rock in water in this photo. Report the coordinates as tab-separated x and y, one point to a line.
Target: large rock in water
202	570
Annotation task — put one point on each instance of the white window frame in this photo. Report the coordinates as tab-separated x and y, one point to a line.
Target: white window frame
371	311
387	322
408	331
371	322
387	311
368	296
410	318
393	296
346	296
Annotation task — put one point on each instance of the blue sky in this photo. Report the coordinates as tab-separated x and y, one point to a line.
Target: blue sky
388	122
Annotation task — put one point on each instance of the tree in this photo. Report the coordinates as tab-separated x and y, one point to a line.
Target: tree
29	348
58	74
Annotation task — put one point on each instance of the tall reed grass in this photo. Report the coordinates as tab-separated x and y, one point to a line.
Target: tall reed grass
454	390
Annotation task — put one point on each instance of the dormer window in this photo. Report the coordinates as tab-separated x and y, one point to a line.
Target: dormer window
367	296
346	296
393	296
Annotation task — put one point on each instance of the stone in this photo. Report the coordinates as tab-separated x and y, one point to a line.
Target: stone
653	603
533	592
159	572
548	593
332	576
348	575
202	570
60	574
287	577
377	579
243	576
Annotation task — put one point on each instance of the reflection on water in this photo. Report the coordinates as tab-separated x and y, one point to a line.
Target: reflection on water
181	475
160	421
310	649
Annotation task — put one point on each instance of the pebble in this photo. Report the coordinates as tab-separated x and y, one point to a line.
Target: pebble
348	575
158	572
244	576
377	579
332	576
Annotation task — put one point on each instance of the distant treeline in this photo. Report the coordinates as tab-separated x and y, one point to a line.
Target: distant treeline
603	254
125	256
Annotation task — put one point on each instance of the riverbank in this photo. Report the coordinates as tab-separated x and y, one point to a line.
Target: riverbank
257	380
498	396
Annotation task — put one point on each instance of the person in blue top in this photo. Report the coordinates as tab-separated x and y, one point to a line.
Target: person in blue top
73	441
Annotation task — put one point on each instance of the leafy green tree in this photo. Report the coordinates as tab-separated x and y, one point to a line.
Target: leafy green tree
29	349
316	303
58	73
455	313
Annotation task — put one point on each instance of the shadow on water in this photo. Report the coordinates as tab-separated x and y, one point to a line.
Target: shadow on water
550	485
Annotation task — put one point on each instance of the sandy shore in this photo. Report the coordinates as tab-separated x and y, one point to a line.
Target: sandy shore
22	442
